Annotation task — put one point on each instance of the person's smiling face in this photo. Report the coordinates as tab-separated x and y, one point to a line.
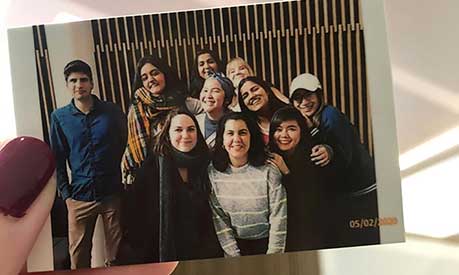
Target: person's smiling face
306	102
236	140
206	64
287	135
212	96
237	71
153	79
183	133
254	96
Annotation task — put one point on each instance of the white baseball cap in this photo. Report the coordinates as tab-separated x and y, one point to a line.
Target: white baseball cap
305	81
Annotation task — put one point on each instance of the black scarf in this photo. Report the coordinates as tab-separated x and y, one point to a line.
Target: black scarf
192	160
195	161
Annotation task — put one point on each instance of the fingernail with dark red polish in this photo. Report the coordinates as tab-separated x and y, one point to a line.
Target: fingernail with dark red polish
26	164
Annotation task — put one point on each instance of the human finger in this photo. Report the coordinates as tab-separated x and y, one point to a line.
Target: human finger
271	161
323	162
275	156
315	151
27	191
319	157
150	269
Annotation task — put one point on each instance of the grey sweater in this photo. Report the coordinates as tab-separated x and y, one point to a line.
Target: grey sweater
249	203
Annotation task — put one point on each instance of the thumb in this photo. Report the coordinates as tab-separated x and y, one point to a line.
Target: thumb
27	190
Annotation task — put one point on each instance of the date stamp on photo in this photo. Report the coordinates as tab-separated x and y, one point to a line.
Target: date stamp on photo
372	222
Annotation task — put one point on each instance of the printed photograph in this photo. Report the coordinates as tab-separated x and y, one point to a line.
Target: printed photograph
200	134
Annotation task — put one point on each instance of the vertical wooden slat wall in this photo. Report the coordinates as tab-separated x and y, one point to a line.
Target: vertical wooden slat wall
44	78
280	40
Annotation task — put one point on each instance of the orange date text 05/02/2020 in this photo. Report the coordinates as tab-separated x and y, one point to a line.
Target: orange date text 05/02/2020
372	222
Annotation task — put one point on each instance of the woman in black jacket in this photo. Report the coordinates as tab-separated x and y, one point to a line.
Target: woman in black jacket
338	143
168	214
311	190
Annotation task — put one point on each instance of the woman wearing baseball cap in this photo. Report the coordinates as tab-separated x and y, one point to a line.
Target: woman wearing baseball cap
338	145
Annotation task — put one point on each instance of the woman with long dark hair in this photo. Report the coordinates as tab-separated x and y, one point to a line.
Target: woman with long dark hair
238	69
247	199
205	63
259	102
169	217
156	91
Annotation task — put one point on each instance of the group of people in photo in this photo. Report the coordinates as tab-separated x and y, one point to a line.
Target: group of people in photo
229	166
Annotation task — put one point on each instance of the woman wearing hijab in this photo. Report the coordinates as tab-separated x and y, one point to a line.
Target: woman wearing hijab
215	97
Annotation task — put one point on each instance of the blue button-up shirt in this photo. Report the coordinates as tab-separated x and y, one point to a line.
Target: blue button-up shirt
93	145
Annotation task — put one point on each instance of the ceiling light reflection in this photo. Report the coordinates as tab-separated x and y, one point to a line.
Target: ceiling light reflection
429	149
430	200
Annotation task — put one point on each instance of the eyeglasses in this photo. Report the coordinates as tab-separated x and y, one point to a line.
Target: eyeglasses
299	95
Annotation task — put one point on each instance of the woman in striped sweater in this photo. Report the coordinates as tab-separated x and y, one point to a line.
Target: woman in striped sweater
248	201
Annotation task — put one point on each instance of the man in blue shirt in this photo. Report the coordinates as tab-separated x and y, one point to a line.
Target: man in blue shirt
90	136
